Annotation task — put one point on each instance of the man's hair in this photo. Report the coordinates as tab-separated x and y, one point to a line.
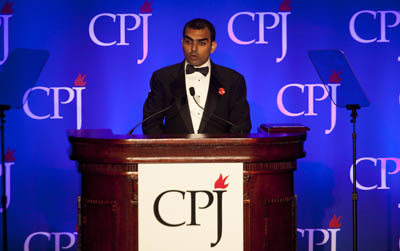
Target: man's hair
199	24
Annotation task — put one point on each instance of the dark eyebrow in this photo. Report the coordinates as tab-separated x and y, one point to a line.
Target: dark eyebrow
187	37
198	40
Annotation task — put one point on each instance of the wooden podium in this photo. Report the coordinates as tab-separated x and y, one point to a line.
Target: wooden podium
108	205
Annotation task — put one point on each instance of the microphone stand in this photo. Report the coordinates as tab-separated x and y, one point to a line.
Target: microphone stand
354	115
3	108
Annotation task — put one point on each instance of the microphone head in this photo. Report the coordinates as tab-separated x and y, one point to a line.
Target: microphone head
192	92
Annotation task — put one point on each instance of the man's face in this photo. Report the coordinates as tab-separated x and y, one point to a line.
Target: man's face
197	46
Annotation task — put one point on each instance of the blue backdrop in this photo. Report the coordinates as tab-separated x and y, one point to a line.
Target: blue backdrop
102	55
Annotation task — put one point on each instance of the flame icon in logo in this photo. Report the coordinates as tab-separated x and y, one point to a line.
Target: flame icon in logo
334	223
285	6
335	77
146	7
7	8
220	182
80	80
9	156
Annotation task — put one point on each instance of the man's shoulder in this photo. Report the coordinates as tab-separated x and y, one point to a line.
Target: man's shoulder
175	68
223	71
168	74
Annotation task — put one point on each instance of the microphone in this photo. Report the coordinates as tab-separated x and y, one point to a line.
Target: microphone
192	93
149	117
156	113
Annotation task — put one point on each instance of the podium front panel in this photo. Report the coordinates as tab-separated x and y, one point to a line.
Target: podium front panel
108	207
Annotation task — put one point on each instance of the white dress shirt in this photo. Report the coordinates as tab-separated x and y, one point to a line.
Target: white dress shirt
200	83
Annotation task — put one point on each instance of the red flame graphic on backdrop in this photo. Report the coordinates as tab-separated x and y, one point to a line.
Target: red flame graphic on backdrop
334	223
285	6
7	8
146	7
9	156
335	77
220	182
80	80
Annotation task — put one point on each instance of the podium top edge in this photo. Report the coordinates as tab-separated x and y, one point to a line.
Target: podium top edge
106	134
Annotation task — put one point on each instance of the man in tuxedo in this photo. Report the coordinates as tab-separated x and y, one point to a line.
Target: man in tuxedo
179	92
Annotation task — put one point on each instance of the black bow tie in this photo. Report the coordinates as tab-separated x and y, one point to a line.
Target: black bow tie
191	69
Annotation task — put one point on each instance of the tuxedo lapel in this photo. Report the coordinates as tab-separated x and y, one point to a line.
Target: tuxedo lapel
179	90
212	99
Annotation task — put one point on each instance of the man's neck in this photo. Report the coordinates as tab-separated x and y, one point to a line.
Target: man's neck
207	63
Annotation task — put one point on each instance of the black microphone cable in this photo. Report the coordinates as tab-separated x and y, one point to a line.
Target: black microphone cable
192	93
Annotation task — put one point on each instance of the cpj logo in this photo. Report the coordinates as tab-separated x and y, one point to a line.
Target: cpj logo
56	240
278	18
55	93
5	15
362	22
385	167
376	174
219	187
309	91
139	19
312	236
9	159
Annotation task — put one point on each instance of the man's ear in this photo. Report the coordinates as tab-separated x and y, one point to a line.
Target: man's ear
213	46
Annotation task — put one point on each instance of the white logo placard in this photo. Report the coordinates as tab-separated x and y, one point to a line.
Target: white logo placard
193	206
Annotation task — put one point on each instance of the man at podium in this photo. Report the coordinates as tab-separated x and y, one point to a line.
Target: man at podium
196	95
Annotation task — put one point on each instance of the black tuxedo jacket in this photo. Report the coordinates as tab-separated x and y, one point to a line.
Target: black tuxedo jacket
168	90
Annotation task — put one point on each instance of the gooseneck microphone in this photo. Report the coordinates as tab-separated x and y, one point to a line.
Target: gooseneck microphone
149	117
192	93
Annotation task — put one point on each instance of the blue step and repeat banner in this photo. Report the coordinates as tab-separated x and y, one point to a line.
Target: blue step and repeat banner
102	55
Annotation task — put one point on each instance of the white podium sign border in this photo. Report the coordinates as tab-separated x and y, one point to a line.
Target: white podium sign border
190	206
